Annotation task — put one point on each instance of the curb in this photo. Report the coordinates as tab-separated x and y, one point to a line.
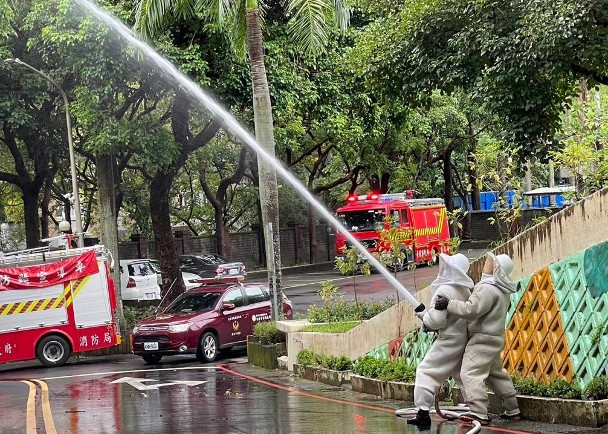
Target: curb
319	266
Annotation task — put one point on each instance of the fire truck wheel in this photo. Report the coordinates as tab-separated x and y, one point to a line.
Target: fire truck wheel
208	348
152	359
53	350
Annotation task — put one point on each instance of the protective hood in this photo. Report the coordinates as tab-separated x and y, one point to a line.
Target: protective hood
452	271
503	266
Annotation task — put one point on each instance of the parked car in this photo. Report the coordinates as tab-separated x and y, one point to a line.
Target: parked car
138	280
190	280
211	266
205	320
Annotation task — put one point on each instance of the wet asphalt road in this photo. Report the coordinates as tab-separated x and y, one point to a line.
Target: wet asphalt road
122	395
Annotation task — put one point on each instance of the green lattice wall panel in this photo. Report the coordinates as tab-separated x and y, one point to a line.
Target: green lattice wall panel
415	345
596	269
516	297
585	316
379	353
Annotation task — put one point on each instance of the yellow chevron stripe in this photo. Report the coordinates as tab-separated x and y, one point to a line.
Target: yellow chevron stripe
7	309
75	292
59	299
43	305
21	306
32	306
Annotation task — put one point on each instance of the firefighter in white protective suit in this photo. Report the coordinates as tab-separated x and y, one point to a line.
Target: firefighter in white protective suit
486	312
445	355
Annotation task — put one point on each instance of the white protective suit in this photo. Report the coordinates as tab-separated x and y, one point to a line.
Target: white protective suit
486	312
445	355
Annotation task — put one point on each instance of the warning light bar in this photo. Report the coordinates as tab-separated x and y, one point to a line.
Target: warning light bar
219	280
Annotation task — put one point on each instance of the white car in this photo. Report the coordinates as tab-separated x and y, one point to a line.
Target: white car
138	280
190	280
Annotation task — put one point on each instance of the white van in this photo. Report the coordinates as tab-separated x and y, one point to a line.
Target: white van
138	280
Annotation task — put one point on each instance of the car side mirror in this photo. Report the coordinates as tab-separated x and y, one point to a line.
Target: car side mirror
228	306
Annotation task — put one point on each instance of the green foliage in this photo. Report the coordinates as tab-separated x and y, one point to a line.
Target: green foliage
556	389
269	330
597	334
385	370
341	311
351	261
310	358
134	314
334	327
597	388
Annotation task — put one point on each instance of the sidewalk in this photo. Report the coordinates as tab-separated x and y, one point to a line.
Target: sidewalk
345	393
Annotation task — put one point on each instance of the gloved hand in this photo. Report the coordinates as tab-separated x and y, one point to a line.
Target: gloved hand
441	303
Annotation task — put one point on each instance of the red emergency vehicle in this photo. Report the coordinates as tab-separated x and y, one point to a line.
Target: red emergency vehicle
424	220
56	303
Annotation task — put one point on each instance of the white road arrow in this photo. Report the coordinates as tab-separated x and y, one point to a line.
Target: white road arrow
138	383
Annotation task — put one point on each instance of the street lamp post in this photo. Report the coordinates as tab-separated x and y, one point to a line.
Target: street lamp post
68	122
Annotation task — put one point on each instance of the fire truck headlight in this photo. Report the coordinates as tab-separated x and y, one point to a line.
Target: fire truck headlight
178	328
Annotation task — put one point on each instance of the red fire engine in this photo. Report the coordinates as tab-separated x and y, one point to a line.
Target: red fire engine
424	220
55	303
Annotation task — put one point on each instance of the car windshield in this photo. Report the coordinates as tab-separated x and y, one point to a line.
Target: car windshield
366	220
155	266
203	302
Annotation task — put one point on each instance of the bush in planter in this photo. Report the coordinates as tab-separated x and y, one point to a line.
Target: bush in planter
310	358
556	389
385	370
597	388
341	311
269	331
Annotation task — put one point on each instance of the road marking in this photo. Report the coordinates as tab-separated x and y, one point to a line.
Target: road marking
138	383
47	414
30	418
101	374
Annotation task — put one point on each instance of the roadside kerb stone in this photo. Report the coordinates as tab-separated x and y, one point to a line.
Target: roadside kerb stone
384	389
556	410
323	375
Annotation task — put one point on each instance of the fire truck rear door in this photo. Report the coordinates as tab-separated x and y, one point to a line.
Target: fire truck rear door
91	299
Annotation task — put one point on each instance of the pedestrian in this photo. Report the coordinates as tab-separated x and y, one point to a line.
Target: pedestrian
445	355
486	312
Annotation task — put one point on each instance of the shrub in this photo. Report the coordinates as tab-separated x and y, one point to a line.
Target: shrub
385	370
267	329
556	389
341	311
310	358
597	388
134	314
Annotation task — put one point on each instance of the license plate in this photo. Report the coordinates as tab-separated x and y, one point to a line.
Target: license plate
233	271
150	346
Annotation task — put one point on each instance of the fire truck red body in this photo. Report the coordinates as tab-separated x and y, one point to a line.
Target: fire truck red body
56	303
424	220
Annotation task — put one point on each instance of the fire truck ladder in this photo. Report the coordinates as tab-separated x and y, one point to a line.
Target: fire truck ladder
393	197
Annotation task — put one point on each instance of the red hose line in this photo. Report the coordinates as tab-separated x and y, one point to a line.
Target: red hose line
223	367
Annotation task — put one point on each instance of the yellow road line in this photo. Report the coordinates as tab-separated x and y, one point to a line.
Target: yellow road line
47	414
30	418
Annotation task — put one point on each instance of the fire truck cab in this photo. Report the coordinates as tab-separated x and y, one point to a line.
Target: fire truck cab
56	303
423	220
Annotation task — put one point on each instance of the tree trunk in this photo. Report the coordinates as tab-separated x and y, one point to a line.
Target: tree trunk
472	172
448	188
312	234
220	232
30	217
173	284
44	207
107	222
264	132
